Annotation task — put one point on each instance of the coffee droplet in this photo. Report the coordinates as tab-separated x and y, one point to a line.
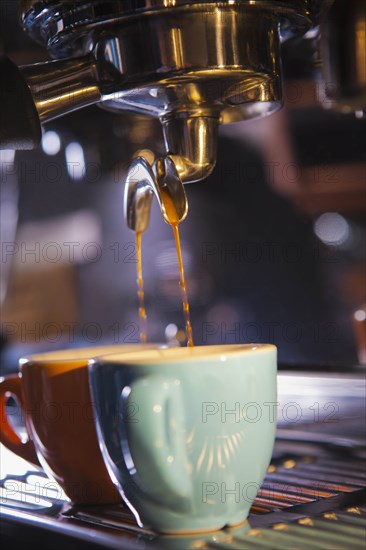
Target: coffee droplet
289	464
306	521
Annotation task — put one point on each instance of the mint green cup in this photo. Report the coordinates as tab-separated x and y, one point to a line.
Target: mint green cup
187	433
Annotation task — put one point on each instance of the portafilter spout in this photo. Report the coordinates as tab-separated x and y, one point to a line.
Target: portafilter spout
143	182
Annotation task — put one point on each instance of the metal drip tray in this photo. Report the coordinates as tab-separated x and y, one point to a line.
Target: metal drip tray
313	496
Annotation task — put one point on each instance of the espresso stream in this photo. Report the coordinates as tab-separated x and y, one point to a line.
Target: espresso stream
183	286
140	289
173	217
171	214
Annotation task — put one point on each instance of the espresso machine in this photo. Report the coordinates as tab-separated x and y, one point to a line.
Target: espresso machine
195	66
192	65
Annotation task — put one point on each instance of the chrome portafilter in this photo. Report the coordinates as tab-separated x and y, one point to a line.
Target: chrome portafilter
143	181
191	64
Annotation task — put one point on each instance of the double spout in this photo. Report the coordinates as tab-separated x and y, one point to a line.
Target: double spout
162	181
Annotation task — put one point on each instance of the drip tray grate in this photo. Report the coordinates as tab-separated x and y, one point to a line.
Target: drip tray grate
305	502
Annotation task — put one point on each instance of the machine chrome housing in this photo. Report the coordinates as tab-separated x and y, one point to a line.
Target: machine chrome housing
192	64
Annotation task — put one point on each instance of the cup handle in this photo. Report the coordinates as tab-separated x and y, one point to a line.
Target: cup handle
10	386
155	447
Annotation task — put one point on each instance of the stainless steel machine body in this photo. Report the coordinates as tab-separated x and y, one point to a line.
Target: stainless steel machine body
191	64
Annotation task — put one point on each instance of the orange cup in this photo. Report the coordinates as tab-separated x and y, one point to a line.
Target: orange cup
52	390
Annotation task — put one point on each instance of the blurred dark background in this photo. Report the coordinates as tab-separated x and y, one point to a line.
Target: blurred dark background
273	246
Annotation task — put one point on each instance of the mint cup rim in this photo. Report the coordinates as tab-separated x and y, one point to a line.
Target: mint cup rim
153	356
